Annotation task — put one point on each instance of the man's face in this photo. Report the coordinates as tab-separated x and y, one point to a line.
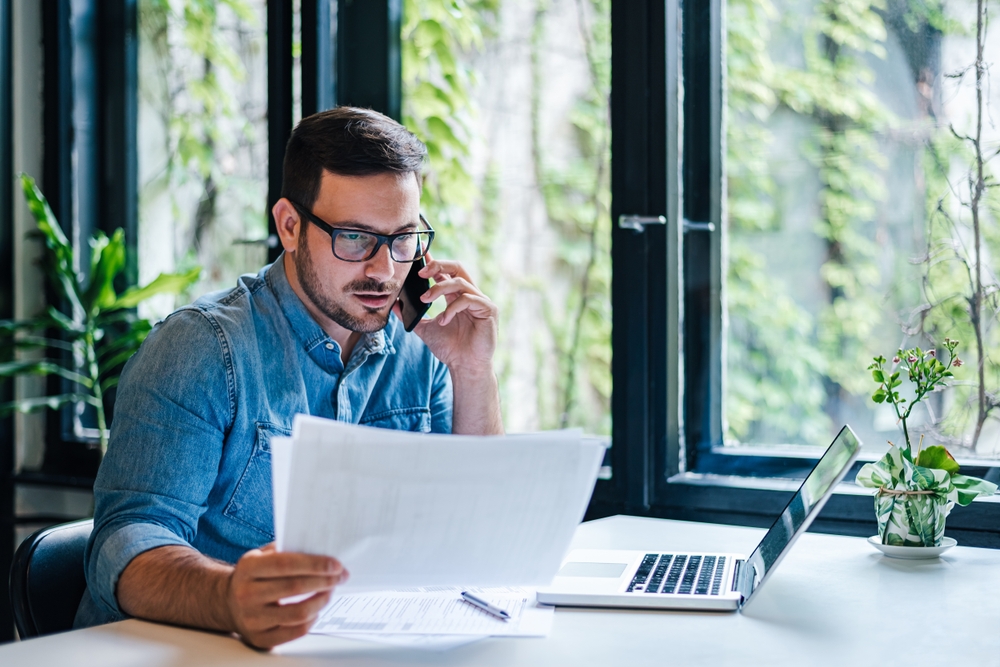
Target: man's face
357	295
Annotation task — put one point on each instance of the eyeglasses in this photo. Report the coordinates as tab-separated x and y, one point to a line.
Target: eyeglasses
354	245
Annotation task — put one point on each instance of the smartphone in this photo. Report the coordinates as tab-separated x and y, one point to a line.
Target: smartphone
414	286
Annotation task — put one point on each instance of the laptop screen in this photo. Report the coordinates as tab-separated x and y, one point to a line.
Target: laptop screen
800	511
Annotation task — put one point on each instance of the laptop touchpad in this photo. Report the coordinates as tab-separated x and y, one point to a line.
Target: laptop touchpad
582	569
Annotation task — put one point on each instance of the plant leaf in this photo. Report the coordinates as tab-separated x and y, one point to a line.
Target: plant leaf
165	283
938	457
107	261
42	367
60	271
42	402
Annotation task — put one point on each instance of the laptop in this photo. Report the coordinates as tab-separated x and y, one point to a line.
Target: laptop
668	579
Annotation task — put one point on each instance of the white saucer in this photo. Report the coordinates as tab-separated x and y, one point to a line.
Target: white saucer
912	553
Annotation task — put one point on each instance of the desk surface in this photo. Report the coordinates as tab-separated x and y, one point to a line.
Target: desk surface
832	601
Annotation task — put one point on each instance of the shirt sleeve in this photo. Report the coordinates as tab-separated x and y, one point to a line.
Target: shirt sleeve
442	399
175	402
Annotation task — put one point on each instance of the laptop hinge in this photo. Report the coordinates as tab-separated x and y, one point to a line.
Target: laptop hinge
737	573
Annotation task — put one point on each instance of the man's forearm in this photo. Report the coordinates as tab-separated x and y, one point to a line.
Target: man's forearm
178	585
476	403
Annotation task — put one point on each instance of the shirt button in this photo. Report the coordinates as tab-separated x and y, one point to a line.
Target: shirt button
329	346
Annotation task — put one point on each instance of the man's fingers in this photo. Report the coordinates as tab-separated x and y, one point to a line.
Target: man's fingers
261	627
478	306
451	286
263	565
437	269
268	639
264	591
299	612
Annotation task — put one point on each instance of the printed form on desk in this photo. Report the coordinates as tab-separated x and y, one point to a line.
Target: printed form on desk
418	518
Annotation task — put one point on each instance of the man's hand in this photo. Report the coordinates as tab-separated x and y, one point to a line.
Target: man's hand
263	577
177	584
464	335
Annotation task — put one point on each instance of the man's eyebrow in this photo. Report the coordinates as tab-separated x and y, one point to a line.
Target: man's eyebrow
364	227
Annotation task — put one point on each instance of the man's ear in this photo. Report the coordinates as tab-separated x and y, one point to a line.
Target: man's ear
288	223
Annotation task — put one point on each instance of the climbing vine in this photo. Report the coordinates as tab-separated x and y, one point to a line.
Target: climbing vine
782	352
440	41
195	79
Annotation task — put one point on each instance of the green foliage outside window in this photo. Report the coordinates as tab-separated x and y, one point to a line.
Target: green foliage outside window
783	352
438	38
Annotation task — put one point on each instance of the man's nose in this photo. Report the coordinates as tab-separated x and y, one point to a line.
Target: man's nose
381	267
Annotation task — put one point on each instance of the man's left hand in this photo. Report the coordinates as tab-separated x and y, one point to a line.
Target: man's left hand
464	335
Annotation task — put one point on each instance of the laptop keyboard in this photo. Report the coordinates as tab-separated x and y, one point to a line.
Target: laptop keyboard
681	575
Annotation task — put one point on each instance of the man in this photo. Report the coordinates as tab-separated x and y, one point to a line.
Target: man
183	499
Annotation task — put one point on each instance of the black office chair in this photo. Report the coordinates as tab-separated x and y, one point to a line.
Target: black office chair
47	580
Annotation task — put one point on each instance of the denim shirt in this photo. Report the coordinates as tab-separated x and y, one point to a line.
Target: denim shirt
189	461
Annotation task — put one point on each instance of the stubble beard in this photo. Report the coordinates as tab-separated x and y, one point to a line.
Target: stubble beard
312	286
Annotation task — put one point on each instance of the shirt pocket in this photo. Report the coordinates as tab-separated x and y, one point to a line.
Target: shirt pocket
252	503
416	419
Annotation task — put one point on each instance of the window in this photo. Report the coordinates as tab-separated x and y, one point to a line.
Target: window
203	142
511	98
853	229
770	361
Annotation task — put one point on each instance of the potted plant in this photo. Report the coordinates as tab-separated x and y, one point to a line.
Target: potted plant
95	328
917	486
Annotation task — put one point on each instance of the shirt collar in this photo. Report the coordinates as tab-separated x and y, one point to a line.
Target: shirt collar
306	329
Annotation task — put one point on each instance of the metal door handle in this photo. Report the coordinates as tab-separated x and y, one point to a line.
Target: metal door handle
637	223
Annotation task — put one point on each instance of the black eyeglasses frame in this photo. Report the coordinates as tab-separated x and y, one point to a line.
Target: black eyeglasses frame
383	239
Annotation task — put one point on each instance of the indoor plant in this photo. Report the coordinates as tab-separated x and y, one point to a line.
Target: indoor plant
917	486
93	331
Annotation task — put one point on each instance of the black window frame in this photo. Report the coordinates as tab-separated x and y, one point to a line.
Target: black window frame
667	295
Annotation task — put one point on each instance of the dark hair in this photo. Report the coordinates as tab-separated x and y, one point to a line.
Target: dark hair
347	141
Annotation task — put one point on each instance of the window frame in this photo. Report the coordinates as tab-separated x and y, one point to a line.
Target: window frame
667	340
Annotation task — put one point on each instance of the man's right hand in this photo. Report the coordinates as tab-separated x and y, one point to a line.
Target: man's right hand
177	584
263	577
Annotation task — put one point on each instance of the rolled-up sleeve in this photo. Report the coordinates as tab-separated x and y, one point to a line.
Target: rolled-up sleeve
175	403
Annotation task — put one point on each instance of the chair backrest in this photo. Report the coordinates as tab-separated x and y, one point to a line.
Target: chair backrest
47	579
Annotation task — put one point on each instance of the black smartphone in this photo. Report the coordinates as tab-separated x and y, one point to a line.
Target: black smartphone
414	286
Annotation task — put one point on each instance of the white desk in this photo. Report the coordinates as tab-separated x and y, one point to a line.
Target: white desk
833	601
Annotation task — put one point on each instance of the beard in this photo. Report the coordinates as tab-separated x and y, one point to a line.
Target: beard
374	319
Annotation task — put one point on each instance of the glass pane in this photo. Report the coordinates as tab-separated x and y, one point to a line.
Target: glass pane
202	142
511	98
853	218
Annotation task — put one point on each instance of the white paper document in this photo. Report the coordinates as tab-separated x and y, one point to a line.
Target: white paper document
403	509
435	612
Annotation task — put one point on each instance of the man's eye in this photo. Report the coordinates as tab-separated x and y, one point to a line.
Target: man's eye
355	237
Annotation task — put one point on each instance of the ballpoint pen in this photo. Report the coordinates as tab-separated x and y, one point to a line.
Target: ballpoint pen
485	606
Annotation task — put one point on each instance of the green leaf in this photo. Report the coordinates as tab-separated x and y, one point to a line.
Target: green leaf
41	342
938	457
42	402
165	283
43	367
878	376
62	321
879	396
107	261
59	268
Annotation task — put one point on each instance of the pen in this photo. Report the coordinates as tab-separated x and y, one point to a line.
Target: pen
484	605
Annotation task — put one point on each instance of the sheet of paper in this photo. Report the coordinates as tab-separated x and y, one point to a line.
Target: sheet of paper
407	509
435	612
